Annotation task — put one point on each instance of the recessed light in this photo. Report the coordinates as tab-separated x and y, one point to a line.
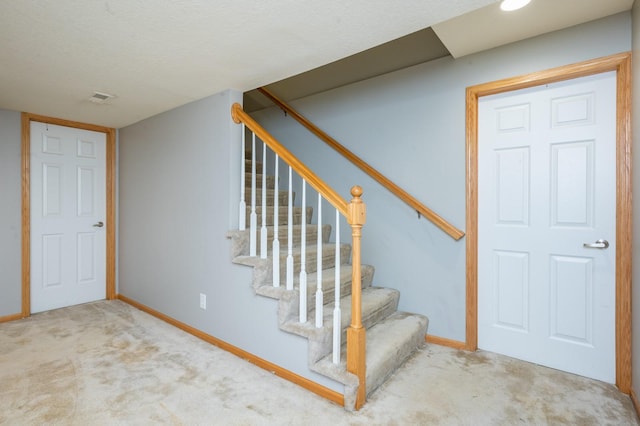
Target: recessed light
510	5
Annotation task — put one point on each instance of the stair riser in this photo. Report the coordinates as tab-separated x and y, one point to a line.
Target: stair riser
241	238
369	317
289	311
328	284
328	260
328	293
377	304
283	236
247	165
283	198
247	151
259	176
283	216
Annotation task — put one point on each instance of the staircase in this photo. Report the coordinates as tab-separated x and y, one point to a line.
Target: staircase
392	336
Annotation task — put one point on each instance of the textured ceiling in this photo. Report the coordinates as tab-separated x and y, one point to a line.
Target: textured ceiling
154	55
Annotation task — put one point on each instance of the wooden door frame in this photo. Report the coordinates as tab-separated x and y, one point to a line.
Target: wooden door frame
110	134
621	63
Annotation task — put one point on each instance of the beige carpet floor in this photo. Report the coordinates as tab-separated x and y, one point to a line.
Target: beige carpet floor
107	363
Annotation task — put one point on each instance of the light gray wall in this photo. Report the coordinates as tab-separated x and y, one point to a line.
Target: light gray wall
178	186
10	200
410	125
175	173
636	203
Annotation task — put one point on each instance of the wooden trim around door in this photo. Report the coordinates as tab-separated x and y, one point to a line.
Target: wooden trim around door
110	133
621	63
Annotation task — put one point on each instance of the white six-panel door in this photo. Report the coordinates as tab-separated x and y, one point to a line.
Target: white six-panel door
546	213
68	212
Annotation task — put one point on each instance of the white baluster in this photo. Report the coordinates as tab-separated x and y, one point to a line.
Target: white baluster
242	208
253	219
290	236
319	297
276	240
337	313
263	229
303	256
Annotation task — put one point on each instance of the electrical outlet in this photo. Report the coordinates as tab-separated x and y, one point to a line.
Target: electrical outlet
203	301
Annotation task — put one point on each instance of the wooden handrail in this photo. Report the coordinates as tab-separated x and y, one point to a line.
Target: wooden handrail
239	116
423	210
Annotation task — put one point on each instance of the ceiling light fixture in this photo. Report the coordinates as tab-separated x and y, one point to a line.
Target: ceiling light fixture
510	5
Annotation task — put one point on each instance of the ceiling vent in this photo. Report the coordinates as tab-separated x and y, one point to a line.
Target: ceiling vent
100	97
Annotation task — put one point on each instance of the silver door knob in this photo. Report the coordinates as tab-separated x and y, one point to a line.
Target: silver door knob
600	244
98	225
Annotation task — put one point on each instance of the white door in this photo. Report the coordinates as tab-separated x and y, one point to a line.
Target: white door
546	225
68	212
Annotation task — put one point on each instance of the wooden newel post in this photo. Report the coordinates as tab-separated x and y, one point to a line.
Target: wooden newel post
356	334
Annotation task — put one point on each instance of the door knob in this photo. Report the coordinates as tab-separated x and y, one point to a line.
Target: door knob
98	225
599	244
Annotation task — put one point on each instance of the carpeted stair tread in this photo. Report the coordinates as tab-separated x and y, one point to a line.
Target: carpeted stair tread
283	196
263	268
283	235
388	343
283	215
241	238
247	166
328	281
259	176
377	303
328	257
290	310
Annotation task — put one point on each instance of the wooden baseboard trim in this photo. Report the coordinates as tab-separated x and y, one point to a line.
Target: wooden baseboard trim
314	387
442	341
13	317
636	402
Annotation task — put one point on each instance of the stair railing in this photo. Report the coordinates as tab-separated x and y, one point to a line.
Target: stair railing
355	214
407	198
